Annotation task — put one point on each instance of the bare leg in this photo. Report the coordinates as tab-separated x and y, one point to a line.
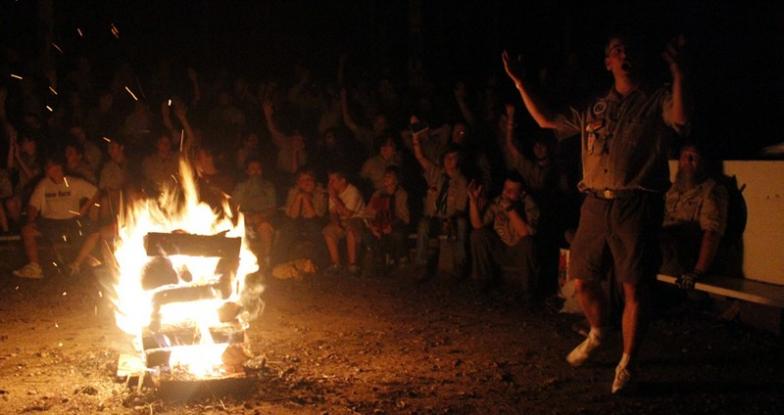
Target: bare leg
87	246
332	247
592	300
29	232
265	232
632	317
14	208
351	246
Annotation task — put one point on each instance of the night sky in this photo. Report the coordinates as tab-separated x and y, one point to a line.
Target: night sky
737	58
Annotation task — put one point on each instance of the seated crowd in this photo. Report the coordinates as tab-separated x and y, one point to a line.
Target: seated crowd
312	179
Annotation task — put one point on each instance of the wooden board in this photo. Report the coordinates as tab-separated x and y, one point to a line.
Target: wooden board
740	288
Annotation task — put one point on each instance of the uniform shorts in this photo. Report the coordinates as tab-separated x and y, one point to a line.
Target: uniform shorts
621	233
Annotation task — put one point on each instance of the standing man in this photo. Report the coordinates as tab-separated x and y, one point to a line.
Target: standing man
625	137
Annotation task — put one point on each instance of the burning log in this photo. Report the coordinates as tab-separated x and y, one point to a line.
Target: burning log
178	336
183	294
194	245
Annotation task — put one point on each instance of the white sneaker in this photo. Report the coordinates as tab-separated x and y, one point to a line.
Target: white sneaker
583	351
622	379
31	270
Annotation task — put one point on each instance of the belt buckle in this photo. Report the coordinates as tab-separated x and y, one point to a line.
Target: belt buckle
608	194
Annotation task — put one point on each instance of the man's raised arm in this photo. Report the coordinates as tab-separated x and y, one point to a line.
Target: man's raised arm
540	114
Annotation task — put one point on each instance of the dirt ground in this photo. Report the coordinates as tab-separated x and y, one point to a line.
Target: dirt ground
376	346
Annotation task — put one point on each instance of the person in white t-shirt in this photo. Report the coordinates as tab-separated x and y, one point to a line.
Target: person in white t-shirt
54	210
345	206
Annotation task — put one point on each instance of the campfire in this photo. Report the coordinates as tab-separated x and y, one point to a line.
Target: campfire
181	286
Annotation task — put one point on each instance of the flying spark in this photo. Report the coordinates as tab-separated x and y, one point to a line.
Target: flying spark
115	30
107	139
15	76
53	91
59	49
79	31
49	108
131	93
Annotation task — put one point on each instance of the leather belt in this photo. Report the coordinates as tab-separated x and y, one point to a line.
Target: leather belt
608	194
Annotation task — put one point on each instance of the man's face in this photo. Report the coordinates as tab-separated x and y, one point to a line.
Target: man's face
387	151
306	183
254	169
115	151
390	182
336	183
164	145
329	139
618	58
72	156
54	171
512	191
689	163
451	161
541	151
29	146
379	123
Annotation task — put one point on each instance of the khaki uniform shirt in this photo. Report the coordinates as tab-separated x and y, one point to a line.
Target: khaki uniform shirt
625	140
705	204
498	217
457	194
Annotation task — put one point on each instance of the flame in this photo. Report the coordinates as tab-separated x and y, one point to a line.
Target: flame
177	211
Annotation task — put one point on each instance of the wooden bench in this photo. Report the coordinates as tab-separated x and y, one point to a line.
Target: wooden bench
738	288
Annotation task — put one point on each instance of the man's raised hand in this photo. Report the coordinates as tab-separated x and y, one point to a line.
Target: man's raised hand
474	191
512	68
673	55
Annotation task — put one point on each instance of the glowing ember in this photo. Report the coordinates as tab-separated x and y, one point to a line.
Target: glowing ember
142	309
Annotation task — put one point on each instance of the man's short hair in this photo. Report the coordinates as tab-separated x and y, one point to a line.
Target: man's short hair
514	177
392	170
54	158
453	148
691	144
75	145
250	160
338	173
306	171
